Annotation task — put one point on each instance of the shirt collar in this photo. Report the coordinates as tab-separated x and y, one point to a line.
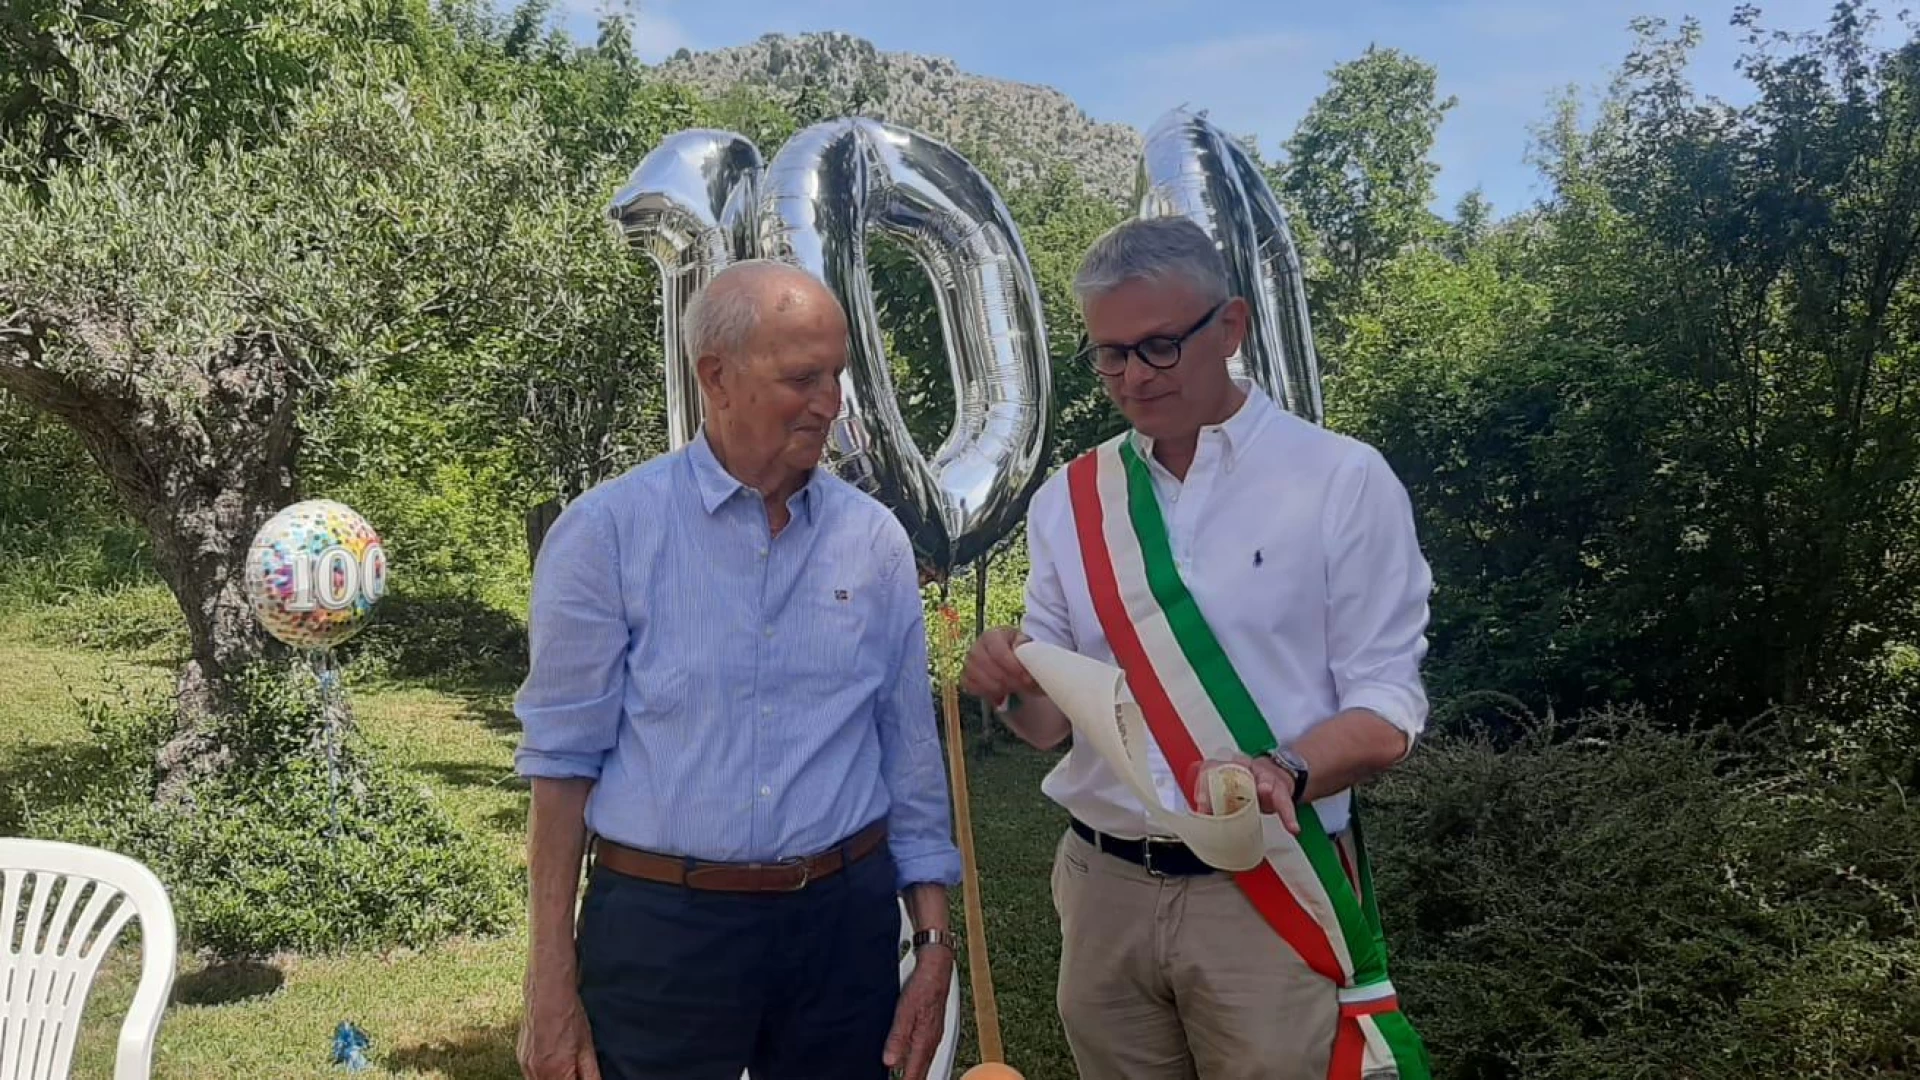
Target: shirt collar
1237	431
717	485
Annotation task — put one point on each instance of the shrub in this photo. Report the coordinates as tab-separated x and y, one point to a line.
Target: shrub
457	530
459	578
1605	900
61	529
279	851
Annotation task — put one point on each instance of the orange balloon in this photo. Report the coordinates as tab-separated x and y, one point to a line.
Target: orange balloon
992	1070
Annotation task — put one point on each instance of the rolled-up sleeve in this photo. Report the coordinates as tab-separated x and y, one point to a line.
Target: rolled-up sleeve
920	821
1378	586
569	706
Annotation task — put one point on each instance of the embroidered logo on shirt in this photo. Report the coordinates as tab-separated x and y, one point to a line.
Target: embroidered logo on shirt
840	594
1256	557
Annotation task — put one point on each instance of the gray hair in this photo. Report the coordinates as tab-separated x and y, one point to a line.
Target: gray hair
722	316
1170	248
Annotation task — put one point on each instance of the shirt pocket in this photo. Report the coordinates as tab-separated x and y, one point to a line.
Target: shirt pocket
658	690
828	637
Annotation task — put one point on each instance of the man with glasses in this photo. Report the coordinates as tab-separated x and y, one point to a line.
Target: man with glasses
1255	575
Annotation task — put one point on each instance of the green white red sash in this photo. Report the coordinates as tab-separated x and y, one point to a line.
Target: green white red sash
1316	893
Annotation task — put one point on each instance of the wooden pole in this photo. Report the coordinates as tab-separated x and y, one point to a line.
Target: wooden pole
986	1015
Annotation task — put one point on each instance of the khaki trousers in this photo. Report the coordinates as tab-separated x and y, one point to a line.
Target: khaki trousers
1171	978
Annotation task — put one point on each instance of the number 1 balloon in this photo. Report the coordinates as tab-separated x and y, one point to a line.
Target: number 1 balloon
1190	167
689	208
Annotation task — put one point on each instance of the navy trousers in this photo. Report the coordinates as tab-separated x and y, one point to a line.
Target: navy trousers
685	984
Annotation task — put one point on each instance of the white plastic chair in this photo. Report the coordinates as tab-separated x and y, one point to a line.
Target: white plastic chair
941	1067
51	956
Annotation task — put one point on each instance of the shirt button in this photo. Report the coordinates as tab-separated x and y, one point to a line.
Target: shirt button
763	553
766	710
765	791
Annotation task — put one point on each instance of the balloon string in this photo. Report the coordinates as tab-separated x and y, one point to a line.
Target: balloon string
326	671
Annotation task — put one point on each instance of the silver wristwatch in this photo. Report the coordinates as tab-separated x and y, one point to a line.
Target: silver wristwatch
1296	767
931	936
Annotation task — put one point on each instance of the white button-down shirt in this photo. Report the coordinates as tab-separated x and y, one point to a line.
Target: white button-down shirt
1298	544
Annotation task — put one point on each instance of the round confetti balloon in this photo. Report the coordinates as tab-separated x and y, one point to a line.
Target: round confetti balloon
314	573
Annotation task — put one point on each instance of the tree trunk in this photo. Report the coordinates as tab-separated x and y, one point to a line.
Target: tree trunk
540	521
202	462
201	528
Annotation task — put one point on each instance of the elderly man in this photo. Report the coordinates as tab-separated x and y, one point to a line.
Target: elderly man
729	692
1259	581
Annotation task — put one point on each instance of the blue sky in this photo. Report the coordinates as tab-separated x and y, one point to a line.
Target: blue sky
1255	66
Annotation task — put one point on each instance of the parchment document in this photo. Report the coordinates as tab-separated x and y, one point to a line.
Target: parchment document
1107	721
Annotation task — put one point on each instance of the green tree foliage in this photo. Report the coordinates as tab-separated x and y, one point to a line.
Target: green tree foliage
389	280
77	74
60	533
1775	295
1358	174
404	273
1661	431
1059	220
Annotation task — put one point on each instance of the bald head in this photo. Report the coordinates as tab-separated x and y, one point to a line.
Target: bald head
722	317
768	343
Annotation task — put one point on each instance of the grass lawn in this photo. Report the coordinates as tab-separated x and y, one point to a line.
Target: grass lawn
451	1011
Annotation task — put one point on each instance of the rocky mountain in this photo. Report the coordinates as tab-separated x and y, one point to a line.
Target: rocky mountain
1027	129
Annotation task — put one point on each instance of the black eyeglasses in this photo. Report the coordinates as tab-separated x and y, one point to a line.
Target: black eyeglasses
1159	352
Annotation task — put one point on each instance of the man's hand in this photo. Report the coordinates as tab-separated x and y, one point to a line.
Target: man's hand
1273	783
919	1020
993	671
555	1040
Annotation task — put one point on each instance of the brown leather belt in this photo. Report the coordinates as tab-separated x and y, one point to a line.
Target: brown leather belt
787	875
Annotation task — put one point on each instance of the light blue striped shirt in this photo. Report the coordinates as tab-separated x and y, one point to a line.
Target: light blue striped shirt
737	696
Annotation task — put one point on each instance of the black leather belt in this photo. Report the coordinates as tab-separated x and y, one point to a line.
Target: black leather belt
1161	858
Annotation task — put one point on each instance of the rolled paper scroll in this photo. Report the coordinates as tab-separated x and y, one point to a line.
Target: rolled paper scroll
1107	721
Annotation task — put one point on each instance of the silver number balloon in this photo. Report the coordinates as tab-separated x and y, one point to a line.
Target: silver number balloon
702	199
1189	167
689	206
813	213
824	190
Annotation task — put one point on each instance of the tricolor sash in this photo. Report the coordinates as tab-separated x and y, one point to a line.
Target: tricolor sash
1316	893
